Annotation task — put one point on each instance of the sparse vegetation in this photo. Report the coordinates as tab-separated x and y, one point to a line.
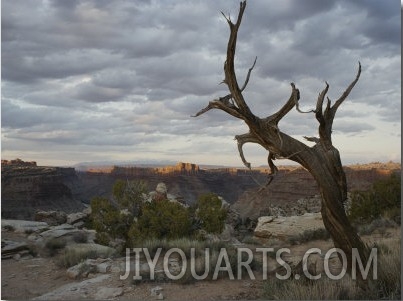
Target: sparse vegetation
200	249
386	286
72	257
309	235
379	225
53	245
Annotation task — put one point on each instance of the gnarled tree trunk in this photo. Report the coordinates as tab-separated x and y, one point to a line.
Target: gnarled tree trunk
322	160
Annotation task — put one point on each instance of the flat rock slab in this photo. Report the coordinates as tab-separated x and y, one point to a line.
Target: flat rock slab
108	292
285	227
22	226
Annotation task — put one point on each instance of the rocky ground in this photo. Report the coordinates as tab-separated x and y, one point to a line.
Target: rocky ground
40	277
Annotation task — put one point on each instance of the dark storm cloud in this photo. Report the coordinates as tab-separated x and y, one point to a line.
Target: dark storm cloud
131	73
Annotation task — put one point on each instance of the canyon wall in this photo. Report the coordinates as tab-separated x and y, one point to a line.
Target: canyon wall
27	187
289	186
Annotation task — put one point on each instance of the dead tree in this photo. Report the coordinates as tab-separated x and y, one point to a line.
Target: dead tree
322	160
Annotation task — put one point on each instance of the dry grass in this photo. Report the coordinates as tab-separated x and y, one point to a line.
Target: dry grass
386	286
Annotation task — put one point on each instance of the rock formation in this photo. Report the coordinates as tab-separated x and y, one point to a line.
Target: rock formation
26	188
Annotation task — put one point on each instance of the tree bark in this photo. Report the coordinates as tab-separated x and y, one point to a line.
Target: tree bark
322	160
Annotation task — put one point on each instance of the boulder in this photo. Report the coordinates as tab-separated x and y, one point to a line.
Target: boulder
89	266
161	188
77	217
52	218
285	227
69	233
160	193
9	249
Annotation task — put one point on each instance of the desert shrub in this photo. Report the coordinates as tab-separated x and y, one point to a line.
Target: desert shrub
72	257
129	195
393	214
210	213
108	220
382	198
53	245
161	219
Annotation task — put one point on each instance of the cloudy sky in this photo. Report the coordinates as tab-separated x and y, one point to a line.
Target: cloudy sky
118	80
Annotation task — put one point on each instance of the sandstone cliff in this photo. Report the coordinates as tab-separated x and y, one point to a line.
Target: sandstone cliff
26	187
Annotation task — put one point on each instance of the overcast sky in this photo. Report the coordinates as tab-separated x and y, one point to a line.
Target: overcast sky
118	80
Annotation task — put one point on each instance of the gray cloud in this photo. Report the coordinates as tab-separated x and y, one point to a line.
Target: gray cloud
119	77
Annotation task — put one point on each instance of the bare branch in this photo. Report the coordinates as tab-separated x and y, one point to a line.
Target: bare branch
297	104
248	76
229	68
287	107
326	116
223	103
312	139
348	90
319	104
242	139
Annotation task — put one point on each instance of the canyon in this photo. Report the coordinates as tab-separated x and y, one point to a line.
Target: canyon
27	187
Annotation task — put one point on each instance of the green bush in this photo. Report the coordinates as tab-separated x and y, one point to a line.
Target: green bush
108	221
162	219
211	213
382	199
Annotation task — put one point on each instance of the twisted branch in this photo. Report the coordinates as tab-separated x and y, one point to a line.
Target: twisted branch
242	139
